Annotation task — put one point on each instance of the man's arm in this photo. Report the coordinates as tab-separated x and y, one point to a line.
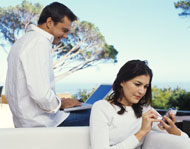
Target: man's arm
37	68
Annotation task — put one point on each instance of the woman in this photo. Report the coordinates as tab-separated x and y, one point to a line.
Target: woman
126	118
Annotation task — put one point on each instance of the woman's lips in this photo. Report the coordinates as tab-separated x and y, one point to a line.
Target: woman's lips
138	97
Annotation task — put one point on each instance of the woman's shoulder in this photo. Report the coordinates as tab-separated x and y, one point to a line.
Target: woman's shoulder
103	109
102	104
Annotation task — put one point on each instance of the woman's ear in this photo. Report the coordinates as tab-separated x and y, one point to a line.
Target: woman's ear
121	84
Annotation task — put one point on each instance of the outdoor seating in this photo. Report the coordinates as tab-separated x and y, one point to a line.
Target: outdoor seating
45	138
61	138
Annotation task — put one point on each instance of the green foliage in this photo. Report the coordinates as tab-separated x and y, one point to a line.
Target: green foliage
83	95
180	100
160	97
167	97
84	47
110	52
14	19
88	44
185	6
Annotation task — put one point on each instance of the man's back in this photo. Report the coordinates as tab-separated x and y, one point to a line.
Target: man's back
30	81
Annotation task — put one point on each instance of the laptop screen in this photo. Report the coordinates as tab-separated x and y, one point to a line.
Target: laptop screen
100	93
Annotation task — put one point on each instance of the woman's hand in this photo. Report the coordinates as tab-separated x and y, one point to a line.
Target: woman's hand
170	126
147	119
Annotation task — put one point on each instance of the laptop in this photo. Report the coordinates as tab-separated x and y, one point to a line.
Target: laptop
100	93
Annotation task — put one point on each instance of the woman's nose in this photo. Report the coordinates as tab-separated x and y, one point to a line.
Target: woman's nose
142	90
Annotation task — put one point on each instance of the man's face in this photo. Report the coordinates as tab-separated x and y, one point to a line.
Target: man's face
60	30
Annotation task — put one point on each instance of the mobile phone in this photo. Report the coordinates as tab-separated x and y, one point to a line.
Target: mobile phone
172	110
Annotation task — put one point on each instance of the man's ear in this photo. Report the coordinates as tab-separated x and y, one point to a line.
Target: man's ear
49	22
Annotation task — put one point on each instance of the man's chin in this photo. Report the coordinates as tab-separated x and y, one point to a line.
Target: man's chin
55	42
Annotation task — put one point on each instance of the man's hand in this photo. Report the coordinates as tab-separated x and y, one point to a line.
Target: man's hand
69	102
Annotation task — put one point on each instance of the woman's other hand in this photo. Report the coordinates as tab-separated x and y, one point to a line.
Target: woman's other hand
169	125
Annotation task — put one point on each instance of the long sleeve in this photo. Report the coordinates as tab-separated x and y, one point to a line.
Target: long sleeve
37	67
100	124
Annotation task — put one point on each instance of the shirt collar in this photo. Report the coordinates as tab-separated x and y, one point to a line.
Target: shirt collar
33	27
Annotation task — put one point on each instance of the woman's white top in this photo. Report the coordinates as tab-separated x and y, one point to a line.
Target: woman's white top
109	130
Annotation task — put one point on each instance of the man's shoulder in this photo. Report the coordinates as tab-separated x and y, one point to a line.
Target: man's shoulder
35	36
34	39
29	37
39	33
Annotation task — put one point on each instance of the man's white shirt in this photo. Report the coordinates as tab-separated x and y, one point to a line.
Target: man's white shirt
30	84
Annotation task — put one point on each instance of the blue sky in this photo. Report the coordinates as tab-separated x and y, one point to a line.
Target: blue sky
147	30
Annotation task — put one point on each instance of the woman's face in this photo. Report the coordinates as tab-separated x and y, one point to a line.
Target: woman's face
134	89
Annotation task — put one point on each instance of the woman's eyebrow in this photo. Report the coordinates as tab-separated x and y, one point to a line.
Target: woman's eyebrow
141	83
138	81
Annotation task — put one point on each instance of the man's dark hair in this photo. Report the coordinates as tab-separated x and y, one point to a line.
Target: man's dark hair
57	12
128	71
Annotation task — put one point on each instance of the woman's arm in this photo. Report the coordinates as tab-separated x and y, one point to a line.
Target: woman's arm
147	119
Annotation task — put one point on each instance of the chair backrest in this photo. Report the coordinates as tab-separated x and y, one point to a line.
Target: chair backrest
100	93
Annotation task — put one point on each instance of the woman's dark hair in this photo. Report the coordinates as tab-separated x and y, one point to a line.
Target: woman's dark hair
128	71
57	12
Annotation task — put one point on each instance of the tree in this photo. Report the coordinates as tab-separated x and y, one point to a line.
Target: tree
15	19
185	6
160	97
167	97
180	99
84	47
83	95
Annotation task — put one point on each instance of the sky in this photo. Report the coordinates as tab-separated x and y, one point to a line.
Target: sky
146	30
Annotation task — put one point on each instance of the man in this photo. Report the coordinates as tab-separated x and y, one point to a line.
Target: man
30	85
